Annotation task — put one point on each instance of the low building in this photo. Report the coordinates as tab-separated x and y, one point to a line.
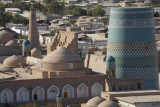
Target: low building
139	101
13	10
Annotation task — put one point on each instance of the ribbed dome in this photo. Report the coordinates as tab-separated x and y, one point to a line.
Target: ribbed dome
110	59
108	103
36	53
26	42
14	61
61	54
95	101
12	43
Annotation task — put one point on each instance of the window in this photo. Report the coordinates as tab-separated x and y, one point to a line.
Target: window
70	66
52	91
80	88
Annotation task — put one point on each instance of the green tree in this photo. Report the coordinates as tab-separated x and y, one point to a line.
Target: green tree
77	11
17	19
54	7
38	6
89	13
97	11
47	1
72	22
155	1
105	20
53	32
21	5
2	7
5	18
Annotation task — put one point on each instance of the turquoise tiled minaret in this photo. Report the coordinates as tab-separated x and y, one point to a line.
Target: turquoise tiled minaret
131	42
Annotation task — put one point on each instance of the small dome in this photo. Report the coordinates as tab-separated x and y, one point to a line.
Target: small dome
4	33
36	53
61	55
26	42
95	101
6	69
6	36
110	59
14	61
108	103
12	43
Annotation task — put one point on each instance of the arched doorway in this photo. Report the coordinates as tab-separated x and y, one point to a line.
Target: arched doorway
82	90
139	86
96	89
6	96
68	91
38	94
22	95
52	92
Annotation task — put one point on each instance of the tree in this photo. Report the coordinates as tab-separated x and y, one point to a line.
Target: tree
47	1
38	6
53	32
105	21
155	1
5	18
21	5
77	11
97	11
54	7
156	14
2	7
89	13
17	19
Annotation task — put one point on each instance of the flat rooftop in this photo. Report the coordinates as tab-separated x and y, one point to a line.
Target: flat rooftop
140	99
135	91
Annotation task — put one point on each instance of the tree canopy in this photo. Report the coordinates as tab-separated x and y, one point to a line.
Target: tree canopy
97	11
5	18
21	5
17	19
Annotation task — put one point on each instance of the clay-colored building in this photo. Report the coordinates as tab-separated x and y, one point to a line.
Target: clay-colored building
65	39
61	71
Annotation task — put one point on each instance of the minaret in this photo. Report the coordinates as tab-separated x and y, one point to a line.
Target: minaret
132	44
33	35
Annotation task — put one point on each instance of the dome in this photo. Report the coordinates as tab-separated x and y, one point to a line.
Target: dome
62	59
14	61
4	33
95	101
26	42
36	53
60	55
12	43
6	69
6	36
110	59
108	103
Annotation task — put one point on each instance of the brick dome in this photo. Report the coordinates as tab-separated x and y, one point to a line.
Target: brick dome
108	103
12	43
60	59
14	61
36	53
60	55
94	102
6	36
